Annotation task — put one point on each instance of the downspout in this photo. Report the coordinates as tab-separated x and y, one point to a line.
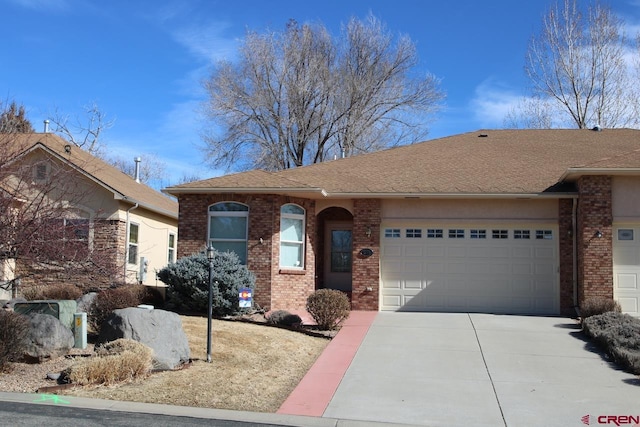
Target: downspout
126	243
574	235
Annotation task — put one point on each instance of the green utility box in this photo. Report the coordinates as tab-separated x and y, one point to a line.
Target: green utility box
63	310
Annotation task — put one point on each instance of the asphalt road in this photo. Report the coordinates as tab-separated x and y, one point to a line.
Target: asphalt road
32	414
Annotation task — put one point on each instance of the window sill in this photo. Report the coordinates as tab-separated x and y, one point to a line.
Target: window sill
291	271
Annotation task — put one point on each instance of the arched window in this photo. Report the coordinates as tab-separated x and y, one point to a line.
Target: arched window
292	236
228	225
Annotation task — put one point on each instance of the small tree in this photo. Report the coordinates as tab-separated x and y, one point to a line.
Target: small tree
188	283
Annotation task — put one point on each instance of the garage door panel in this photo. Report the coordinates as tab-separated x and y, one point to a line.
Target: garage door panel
626	267
504	275
627	281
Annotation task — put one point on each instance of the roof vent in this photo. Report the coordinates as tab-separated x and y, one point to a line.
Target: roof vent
137	171
483	135
597	128
46	126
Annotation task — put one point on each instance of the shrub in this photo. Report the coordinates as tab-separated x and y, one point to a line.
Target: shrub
284	318
116	361
112	299
13	331
619	335
329	308
598	305
188	283
58	291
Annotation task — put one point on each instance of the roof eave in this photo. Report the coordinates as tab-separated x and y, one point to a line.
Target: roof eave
574	173
399	195
304	192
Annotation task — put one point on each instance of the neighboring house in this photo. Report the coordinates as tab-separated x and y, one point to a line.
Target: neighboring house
117	229
504	221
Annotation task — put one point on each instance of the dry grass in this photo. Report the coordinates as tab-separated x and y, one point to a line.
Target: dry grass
119	361
254	368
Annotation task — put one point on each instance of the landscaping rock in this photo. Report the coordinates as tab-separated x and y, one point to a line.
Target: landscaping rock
47	338
159	329
85	302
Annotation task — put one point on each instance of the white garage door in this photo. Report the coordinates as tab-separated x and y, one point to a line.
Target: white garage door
626	268
476	268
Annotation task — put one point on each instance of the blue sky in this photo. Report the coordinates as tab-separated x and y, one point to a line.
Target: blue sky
142	62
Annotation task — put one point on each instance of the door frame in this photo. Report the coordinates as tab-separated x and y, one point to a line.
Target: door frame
339	281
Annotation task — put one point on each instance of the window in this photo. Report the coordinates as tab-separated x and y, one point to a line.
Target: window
228	226
133	243
544	234
414	233
434	233
392	233
456	233
478	234
499	234
292	233
171	253
41	172
625	234
521	234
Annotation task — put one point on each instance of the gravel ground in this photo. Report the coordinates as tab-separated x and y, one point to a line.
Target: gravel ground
30	377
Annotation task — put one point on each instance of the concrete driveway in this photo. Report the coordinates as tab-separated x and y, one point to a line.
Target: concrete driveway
453	369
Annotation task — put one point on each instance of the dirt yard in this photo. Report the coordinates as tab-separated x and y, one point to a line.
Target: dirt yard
254	368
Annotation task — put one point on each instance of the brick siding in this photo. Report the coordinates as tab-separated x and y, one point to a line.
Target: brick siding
565	224
595	254
366	270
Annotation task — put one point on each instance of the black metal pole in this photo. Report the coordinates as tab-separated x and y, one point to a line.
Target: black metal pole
210	311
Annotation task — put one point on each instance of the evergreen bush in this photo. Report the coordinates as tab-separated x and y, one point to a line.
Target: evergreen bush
329	308
619	335
188	283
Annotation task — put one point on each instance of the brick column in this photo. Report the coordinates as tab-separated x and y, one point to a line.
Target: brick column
366	270
595	254
565	239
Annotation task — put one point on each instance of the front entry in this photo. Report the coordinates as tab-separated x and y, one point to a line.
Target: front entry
338	250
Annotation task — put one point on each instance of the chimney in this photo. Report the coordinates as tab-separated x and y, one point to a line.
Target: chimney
137	172
46	126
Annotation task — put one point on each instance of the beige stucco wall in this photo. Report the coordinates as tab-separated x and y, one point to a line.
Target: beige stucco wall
471	210
625	199
153	244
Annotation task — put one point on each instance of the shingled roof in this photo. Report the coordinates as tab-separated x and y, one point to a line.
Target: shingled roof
484	162
122	185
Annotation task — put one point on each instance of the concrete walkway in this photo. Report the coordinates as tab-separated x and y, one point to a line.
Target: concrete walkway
453	369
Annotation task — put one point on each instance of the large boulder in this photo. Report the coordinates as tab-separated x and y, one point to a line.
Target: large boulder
85	302
47	338
159	329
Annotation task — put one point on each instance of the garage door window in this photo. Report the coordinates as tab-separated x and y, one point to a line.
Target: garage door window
392	233
456	233
500	234
478	234
521	234
434	233
544	234
625	234
414	233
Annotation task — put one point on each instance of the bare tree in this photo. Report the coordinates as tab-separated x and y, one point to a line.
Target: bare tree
44	236
85	134
151	167
299	96
578	63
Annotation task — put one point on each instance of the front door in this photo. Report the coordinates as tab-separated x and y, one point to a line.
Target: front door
338	256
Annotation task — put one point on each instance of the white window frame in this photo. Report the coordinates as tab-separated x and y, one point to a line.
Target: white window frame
392	233
435	233
171	249
241	213
413	233
299	243
499	234
477	234
131	244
